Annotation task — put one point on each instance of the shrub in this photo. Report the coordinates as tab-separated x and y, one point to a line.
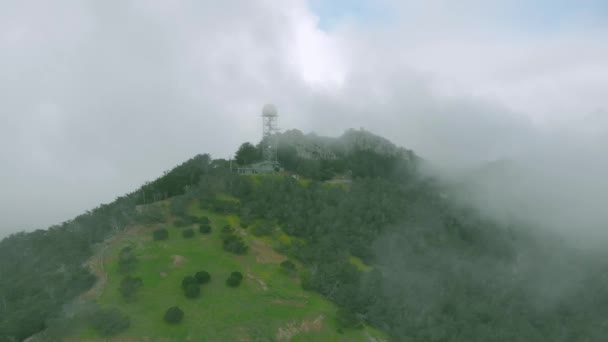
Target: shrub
235	245
174	315
161	234
110	322
188	280
347	319
204	229
235	279
262	229
288	267
202	277
188	233
246	221
127	261
226	232
192	290
180	223
232	282
232	242
204	220
129	286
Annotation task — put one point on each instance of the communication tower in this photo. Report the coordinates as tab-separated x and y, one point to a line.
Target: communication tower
269	131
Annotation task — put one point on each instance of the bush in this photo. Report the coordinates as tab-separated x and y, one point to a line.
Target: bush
127	261
180	223
235	279
232	242
204	229
202	277
188	233
246	221
174	315
110	322
203	220
347	319
235	245
129	286
226	232
161	234
288	267
192	290
188	280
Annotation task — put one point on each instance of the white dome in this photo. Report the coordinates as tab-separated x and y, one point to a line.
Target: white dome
269	110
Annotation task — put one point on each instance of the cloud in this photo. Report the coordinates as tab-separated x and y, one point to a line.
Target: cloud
98	97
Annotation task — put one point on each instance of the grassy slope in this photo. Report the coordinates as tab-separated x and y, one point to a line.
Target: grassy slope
268	305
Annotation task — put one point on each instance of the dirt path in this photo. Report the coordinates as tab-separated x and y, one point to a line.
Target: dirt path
258	280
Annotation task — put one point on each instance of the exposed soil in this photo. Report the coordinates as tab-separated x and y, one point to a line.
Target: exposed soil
178	260
258	280
264	253
292	329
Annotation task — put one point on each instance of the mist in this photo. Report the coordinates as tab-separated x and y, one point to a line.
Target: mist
98	98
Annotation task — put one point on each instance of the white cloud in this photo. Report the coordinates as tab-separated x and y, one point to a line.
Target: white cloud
98	97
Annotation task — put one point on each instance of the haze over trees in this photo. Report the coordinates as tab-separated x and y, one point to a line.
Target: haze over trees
367	229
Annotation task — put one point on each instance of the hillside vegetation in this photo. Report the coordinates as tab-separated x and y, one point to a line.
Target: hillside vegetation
269	303
362	227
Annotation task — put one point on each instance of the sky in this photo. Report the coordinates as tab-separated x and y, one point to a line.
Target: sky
97	98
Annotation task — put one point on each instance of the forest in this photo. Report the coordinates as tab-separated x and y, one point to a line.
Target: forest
428	269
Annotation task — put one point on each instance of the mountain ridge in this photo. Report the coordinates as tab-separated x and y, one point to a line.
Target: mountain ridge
389	249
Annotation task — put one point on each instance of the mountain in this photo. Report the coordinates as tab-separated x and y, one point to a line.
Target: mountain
352	241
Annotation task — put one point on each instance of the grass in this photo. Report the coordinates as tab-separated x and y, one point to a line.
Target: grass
268	305
359	264
226	197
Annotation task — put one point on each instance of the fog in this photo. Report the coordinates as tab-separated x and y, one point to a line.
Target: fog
98	97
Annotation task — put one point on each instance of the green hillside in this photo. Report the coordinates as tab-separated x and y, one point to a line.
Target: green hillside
372	242
269	304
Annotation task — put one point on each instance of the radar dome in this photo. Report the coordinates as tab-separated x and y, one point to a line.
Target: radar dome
269	110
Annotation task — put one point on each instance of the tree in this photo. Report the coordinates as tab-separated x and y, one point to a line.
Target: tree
247	154
192	290
188	233
160	234
202	277
174	315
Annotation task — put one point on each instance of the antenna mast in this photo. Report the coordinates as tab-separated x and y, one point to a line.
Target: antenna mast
269	130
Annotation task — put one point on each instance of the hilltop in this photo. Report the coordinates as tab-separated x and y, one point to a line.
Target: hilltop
374	247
